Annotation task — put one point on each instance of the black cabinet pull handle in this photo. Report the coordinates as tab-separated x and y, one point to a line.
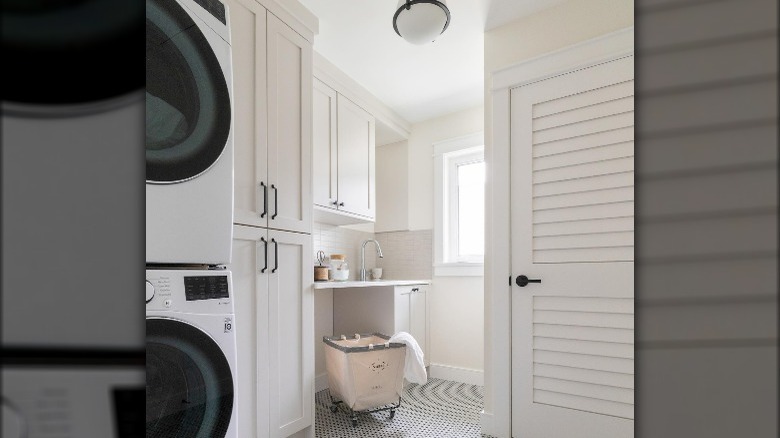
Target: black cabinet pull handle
416	290
336	202
265	199
341	204
276	201
523	281
276	255
265	245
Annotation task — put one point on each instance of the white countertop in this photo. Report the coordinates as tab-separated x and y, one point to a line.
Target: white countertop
369	283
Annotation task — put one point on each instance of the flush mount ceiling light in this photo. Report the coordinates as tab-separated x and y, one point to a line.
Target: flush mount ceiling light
421	21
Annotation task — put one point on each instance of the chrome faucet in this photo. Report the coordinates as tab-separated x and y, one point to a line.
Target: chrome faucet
363	272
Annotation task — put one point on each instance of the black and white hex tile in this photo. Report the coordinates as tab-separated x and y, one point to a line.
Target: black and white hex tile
438	409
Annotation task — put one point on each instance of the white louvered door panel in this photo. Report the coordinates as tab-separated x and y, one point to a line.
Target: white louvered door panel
572	195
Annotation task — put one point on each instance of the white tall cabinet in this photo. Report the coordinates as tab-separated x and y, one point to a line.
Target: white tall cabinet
272	247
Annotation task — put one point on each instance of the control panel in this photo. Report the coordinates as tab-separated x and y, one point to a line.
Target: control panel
188	291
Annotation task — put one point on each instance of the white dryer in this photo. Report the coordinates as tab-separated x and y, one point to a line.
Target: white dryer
190	354
189	135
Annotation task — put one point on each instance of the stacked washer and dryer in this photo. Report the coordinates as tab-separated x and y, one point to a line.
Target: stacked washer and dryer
190	332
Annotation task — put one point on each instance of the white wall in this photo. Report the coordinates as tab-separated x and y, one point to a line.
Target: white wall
457	327
513	43
421	139
392	187
455	303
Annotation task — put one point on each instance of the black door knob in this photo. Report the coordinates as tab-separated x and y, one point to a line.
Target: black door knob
523	281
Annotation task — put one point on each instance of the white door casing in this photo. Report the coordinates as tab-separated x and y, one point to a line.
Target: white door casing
572	210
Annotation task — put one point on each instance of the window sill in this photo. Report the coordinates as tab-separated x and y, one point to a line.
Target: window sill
459	270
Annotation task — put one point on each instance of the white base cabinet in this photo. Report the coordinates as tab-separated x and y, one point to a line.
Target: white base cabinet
274	305
387	310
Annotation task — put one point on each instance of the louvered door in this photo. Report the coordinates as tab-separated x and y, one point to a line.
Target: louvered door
572	196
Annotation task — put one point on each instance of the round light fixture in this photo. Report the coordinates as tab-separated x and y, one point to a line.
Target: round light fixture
421	21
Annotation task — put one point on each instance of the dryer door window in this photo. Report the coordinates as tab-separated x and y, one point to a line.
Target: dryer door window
59	54
187	99
189	385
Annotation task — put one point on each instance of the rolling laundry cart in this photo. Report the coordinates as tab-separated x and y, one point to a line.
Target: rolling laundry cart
365	373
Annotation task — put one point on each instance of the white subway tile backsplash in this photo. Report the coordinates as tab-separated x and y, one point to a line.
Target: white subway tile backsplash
408	254
337	240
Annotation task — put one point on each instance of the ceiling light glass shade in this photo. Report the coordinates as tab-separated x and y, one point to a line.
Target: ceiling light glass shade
421	21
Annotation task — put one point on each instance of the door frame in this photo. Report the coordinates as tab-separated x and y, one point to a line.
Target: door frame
497	415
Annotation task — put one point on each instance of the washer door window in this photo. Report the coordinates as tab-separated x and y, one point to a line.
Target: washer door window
189	385
187	99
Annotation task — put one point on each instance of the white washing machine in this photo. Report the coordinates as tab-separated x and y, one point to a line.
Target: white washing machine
190	354
189	135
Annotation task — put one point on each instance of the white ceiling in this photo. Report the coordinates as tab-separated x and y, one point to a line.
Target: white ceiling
417	82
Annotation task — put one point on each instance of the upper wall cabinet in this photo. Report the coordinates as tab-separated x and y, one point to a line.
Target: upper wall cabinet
344	163
272	79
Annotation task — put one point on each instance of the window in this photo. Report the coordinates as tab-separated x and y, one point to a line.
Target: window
465	223
459	230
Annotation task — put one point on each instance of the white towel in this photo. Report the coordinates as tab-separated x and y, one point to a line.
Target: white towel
414	368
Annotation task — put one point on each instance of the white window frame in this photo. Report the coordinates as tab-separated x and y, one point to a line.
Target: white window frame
447	155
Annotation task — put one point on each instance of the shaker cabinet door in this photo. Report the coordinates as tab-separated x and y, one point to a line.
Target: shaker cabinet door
324	153
248	31
250	289
289	92
356	141
290	332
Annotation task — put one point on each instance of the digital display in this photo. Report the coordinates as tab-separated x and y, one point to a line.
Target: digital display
206	288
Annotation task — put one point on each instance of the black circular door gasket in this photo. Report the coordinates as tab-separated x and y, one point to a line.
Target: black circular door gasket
189	384
188	111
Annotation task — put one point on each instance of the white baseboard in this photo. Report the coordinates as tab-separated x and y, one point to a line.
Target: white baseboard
486	422
456	374
321	382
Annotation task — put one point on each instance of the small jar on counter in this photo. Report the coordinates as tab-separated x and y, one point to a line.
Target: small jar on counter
339	268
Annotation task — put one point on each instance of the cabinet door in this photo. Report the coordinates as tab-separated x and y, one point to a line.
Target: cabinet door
418	318
356	131
250	299
324	146
289	64
248	32
290	333
402	312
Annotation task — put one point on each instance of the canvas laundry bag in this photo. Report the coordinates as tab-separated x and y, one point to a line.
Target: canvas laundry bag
366	371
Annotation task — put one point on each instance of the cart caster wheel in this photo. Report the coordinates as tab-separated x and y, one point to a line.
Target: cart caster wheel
392	413
354	422
334	408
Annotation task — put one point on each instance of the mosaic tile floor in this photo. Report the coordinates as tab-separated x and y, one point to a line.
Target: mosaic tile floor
438	409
